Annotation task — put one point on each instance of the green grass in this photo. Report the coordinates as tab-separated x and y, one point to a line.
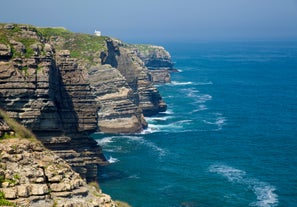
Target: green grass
85	47
3	201
95	184
143	48
15	34
20	131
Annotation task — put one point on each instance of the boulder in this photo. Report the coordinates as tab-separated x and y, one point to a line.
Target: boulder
5	51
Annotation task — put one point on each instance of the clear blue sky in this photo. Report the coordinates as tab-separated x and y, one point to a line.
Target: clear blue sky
162	20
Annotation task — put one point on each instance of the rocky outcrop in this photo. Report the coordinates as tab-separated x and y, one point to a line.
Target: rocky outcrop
5	51
118	111
156	59
137	76
31	175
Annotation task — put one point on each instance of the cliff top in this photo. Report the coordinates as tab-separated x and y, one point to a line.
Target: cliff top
86	47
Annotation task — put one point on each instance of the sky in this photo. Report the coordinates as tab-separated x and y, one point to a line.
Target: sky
162	20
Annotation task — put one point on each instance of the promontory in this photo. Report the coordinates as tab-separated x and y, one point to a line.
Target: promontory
64	86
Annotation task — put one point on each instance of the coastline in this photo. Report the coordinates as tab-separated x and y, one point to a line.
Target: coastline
68	89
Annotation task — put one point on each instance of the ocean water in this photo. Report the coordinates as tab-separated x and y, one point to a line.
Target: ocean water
229	137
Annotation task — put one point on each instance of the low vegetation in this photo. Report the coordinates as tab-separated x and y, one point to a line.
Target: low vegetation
15	34
18	130
122	204
3	201
85	47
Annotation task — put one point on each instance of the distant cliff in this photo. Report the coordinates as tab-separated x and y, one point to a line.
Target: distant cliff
64	86
156	59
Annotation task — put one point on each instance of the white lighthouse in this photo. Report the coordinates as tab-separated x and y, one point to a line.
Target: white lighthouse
97	33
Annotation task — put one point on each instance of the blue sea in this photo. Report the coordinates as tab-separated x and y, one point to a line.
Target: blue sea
229	137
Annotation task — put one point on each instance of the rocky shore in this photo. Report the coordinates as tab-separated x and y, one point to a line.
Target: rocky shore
64	86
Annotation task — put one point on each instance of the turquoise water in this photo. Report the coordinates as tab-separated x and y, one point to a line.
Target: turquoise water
229	137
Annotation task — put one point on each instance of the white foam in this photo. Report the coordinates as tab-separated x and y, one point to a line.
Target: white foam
168	111
154	119
134	177
153	146
105	141
232	174
192	93
201	107
219	121
176	83
203	98
176	126
265	193
204	83
132	138
112	160
140	140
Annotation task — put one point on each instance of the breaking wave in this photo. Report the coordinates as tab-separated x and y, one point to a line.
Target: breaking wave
177	83
112	160
219	121
265	193
121	143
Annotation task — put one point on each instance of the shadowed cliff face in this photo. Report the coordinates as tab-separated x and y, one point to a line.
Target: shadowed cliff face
45	90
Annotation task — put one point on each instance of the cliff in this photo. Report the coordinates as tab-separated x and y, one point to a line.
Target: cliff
45	90
64	86
31	175
146	96
156	59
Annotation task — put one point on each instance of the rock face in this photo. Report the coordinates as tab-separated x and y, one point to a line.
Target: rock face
137	75
65	86
31	175
118	112
156	59
45	90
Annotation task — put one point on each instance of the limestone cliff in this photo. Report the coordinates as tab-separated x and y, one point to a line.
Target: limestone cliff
118	112
137	75
156	59
45	90
64	86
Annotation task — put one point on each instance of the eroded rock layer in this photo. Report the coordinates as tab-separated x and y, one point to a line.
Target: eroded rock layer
118	111
34	176
137	76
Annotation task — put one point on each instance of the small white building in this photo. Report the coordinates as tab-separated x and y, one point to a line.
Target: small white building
97	33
